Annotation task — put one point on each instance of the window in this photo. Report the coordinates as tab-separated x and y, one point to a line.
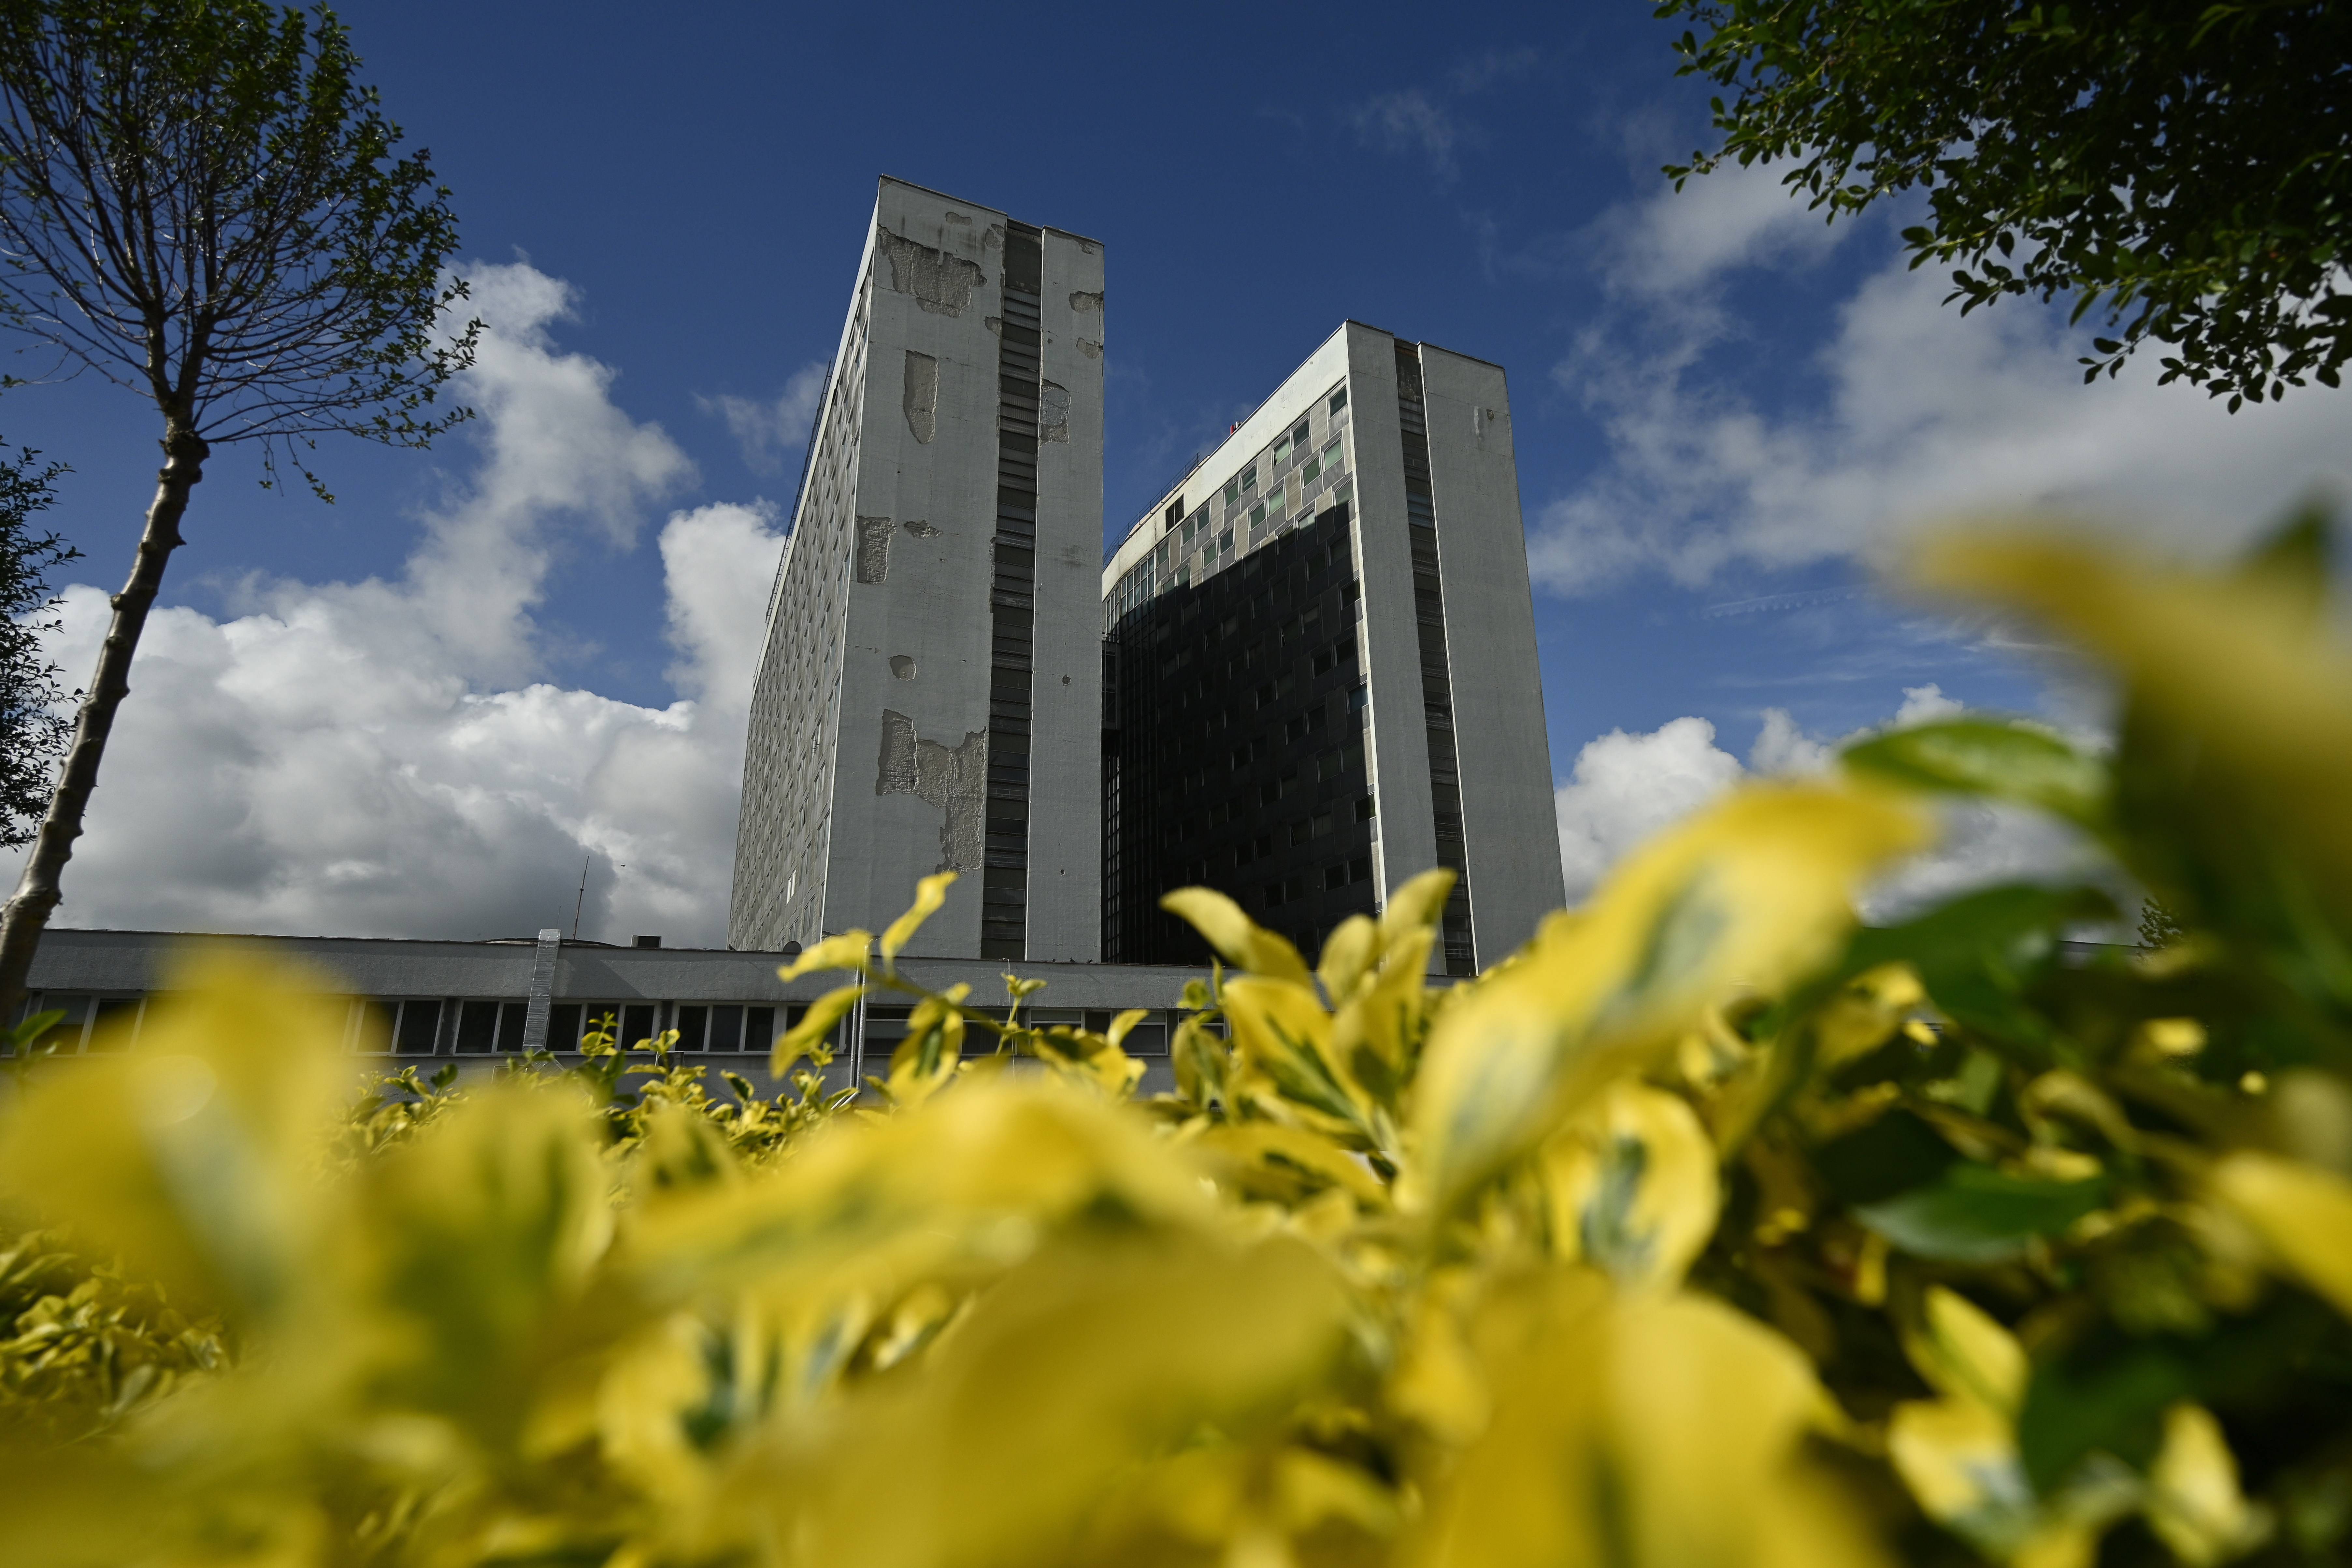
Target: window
1306	475
1225	542
1338	400
420	1028
1359	869
1281	448
1322	824
1298	436
1332	453
1249	478
1364	809
1299	832
1334	877
1232	491
1257	514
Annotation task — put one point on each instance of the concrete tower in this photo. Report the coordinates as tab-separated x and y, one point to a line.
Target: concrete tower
1325	675
929	691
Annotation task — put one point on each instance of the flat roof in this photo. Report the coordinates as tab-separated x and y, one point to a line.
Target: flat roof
985	206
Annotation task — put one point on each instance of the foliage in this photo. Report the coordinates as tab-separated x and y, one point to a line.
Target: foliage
32	735
1707	1229
203	204
2182	166
200	202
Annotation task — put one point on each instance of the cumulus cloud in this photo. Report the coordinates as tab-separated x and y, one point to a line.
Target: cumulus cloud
374	758
1624	788
1926	415
769	432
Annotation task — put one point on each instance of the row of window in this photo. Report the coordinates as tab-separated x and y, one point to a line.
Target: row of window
435	1026
1336	875
886	1026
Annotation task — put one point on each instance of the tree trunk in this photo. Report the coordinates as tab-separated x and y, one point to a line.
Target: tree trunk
37	894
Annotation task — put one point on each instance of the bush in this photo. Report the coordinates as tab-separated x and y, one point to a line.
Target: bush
1709	1230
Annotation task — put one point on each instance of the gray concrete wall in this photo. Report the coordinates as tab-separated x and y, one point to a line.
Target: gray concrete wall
1065	688
1512	842
1398	750
908	795
790	753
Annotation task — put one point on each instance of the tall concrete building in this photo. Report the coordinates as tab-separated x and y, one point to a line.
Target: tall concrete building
1322	666
928	695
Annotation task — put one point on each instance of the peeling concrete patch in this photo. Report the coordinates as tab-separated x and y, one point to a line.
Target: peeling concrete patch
1082	302
958	217
1053	412
956	781
902	667
1090	348
922	400
920	528
994	324
940	283
873	558
895	772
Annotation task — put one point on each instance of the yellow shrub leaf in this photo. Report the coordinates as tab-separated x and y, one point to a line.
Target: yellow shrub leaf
815	1024
930	894
2302	1213
197	1156
1745	896
1281	1031
850	950
1653	1433
2194	1503
1965	1355
1245	944
1633	1187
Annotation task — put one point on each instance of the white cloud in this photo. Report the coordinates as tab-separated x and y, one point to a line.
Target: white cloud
1783	748
373	758
771	431
1625	788
1676	244
1928	415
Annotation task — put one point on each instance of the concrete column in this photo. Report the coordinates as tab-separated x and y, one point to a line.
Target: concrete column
543	988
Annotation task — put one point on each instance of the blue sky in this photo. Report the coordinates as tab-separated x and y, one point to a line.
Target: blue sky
1725	411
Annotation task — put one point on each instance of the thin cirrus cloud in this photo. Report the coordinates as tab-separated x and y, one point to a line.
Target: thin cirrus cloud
769	431
1922	414
1420	120
375	758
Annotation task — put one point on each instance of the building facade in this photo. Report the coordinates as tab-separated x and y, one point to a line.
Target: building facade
1320	667
928	692
476	1003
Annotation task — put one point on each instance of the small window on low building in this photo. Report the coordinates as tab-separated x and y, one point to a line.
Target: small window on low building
563	1026
420	1027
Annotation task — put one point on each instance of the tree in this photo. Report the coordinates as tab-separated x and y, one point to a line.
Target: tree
32	735
2182	165
199	202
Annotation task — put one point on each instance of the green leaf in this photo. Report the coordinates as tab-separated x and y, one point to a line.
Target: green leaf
1979	1215
1897	1153
1983	757
2115	1404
